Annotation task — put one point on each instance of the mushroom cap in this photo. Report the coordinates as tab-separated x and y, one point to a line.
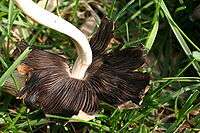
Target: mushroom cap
110	78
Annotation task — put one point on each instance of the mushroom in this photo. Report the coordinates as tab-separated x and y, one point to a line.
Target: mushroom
107	77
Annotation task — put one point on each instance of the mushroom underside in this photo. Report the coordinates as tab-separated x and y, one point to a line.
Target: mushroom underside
110	78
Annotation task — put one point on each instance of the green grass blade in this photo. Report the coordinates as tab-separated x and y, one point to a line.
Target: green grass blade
10	16
12	75
187	107
127	32
179	35
122	12
140	10
196	55
154	31
186	37
14	65
110	13
159	89
17	117
75	10
178	79
152	36
3	62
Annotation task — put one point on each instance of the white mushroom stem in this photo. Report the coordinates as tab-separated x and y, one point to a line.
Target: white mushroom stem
50	20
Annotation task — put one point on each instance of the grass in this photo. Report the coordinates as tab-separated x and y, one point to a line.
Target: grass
163	27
